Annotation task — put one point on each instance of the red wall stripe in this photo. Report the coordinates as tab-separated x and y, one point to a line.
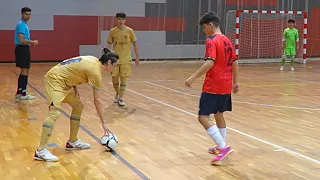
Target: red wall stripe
72	31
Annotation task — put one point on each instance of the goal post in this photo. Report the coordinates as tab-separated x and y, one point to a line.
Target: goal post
257	34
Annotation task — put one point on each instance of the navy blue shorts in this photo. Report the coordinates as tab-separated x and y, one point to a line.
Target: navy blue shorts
213	103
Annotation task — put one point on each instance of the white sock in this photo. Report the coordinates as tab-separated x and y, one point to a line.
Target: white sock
214	133
223	132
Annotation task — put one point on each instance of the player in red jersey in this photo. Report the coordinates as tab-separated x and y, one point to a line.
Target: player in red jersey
221	68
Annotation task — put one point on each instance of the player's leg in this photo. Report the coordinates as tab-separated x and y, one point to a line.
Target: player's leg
125	72
22	54
210	104
222	129
286	53
54	95
292	55
42	153
225	104
221	123
77	106
115	82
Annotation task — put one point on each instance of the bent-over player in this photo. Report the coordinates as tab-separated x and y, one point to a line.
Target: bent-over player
61	83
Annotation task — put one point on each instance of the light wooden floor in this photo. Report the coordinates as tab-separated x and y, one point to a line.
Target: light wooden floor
274	127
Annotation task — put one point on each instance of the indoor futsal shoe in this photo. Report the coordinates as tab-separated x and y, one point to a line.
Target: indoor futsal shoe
215	150
223	153
77	145
45	155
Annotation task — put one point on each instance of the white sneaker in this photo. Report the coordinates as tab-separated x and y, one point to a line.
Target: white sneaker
292	69
27	97
116	99
281	68
45	155
18	96
77	145
120	102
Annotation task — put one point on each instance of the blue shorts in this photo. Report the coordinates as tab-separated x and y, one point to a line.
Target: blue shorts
213	103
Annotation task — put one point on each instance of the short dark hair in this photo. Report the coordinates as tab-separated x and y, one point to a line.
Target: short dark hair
25	9
108	55
210	17
121	15
291	21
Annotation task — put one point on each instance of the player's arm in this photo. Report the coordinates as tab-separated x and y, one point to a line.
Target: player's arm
203	69
110	40
297	39
235	71
135	46
209	62
284	38
94	80
136	49
21	30
99	108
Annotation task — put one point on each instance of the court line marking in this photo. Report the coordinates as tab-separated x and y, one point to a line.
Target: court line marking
232	129
240	102
86	130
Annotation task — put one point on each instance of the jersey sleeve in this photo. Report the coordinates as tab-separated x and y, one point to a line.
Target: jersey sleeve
94	80
110	38
21	28
211	51
297	35
133	37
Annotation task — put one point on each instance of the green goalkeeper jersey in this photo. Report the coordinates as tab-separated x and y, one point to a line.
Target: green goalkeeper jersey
291	36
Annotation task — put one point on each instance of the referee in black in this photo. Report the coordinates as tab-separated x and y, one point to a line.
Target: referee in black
22	53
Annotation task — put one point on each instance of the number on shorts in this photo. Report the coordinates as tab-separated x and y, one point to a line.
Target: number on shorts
71	60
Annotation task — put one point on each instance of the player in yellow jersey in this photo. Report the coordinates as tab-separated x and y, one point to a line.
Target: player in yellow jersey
61	83
121	37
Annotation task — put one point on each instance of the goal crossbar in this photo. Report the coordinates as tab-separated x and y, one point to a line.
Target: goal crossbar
305	24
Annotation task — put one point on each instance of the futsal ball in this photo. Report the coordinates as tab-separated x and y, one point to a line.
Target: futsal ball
109	141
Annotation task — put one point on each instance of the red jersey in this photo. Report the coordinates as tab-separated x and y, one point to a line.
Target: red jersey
219	78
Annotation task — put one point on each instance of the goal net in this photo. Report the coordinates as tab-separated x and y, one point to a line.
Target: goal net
257	34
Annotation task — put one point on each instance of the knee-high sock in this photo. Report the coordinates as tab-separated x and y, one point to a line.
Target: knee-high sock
75	121
115	82
22	84
292	61
123	84
47	127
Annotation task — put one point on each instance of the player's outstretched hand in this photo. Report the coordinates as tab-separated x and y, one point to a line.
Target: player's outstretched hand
189	81
106	129
235	88
137	61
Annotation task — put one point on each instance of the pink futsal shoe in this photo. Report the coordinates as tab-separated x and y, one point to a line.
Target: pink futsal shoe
223	153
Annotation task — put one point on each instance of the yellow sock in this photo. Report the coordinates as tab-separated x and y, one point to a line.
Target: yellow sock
74	128
75	121
47	128
123	85
115	82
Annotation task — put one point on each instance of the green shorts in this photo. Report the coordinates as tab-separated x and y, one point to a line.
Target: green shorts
290	51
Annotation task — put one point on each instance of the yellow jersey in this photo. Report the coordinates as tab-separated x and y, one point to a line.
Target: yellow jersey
121	38
76	71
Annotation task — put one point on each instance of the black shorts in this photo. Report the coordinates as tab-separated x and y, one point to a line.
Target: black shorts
213	103
23	57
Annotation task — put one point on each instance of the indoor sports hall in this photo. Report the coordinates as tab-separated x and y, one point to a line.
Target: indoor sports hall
273	127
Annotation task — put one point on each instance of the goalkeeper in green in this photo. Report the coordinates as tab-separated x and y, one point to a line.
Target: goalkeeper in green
290	43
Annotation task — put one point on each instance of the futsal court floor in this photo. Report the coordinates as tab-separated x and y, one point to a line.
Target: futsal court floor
273	129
